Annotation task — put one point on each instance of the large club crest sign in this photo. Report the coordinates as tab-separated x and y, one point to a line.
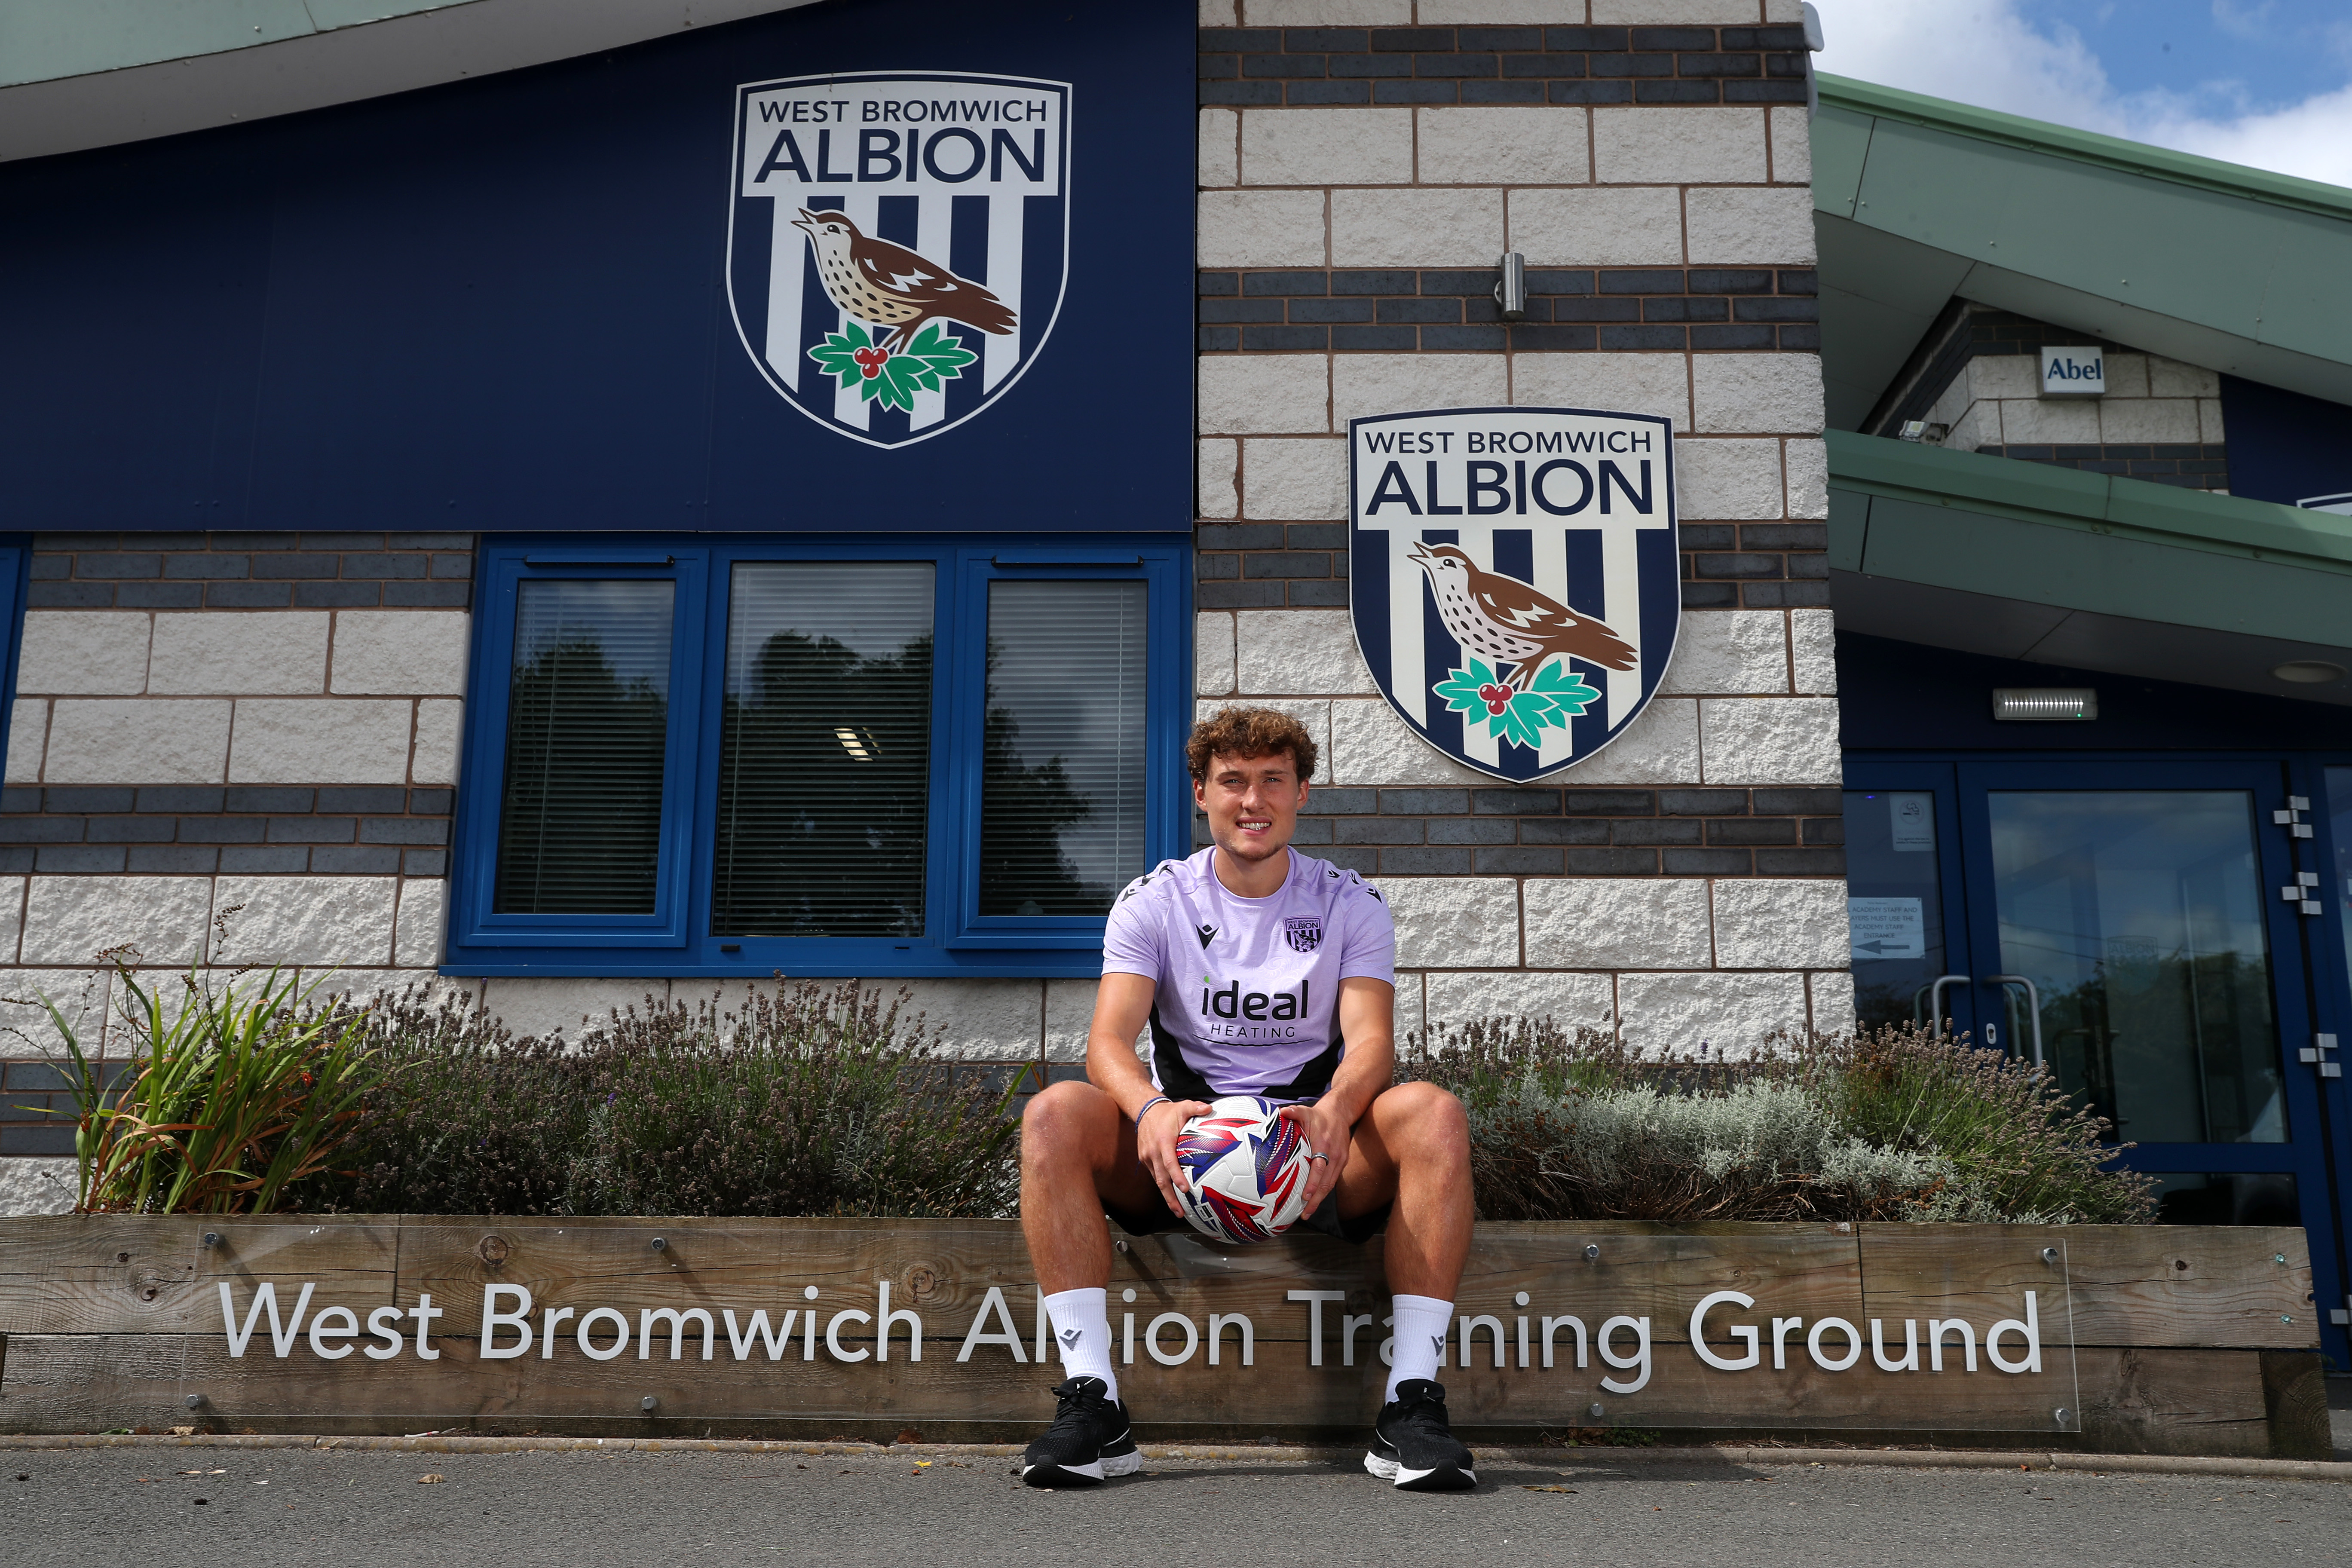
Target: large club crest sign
899	243
1514	576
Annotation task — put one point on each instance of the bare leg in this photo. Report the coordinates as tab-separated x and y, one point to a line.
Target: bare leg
1413	1146
1078	1151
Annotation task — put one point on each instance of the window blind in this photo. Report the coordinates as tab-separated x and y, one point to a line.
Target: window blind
1062	772
825	750
587	727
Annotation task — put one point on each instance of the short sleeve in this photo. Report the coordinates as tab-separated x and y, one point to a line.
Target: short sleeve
1370	951
1133	934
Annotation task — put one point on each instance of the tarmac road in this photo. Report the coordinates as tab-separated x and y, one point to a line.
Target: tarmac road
267	1507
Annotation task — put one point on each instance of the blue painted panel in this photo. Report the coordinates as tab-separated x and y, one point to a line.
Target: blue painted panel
2284	446
502	304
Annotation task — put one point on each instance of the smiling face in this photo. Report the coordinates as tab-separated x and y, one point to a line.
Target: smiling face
1252	803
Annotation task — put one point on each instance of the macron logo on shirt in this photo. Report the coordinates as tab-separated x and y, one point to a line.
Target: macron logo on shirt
1207	933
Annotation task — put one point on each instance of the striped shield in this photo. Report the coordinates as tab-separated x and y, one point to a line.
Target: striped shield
1514	577
898	242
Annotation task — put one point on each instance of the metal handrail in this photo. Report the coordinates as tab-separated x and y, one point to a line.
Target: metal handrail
1936	1000
2032	1006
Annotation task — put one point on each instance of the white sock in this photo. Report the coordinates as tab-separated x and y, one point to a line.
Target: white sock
1082	1328
1418	1338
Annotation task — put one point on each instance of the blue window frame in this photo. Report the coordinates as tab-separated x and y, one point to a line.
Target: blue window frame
15	570
692	755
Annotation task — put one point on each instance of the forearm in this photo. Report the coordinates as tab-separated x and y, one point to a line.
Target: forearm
1113	1066
1365	1069
1368	1062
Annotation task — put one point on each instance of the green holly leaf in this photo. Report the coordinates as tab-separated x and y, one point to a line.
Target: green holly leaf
1563	689
1460	688
1555	696
838	353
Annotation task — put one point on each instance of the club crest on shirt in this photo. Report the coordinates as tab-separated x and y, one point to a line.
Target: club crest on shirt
1304	932
1513	576
898	243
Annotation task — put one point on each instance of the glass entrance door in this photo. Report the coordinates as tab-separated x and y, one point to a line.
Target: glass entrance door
2137	918
2123	923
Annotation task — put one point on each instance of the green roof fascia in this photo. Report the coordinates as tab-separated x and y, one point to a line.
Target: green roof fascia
2084	146
2092	503
47	40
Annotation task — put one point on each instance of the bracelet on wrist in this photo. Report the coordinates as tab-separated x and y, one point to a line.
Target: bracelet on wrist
1145	1109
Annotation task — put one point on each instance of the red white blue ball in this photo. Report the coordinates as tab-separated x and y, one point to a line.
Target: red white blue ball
1244	1170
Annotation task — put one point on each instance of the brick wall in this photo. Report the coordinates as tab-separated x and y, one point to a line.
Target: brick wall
1363	162
237	747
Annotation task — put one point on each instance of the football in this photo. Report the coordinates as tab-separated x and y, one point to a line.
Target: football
1245	1169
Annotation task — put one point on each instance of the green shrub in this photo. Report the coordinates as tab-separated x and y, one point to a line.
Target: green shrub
1890	1124
805	1100
227	1101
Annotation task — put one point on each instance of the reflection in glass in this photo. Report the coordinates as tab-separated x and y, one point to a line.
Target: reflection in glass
825	752
1894	905
2338	803
2234	1197
587	732
2138	914
1062	772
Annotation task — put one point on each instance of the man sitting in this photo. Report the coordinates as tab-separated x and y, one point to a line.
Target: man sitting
1251	913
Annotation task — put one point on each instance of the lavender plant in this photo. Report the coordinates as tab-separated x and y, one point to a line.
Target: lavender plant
801	1100
1891	1124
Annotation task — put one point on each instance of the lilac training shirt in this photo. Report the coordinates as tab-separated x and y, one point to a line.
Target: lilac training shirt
1248	989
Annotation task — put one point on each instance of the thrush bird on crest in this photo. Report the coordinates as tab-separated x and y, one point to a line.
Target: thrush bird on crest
891	286
1512	622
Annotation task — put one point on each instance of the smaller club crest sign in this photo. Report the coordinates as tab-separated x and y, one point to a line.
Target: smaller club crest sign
1514	577
898	243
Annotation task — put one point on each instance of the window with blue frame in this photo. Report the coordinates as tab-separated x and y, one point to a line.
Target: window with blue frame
874	755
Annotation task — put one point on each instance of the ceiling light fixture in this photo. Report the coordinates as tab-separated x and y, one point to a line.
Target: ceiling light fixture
2307	671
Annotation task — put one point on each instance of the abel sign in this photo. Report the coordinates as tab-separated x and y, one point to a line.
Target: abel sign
1513	576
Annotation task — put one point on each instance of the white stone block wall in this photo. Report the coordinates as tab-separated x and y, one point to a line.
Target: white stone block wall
1672	940
145	729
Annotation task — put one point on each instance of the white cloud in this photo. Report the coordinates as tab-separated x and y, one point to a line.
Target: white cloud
1983	52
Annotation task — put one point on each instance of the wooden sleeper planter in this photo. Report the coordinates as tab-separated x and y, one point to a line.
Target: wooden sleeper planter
2107	1338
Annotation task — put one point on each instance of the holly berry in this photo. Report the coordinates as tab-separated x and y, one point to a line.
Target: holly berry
870	361
1496	698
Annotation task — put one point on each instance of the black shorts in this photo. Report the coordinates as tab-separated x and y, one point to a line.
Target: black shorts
1325	1220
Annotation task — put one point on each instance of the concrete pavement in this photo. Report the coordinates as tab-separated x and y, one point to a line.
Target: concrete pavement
80	1507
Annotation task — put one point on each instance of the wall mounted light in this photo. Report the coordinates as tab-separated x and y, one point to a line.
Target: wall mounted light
1511	287
2308	672
2045	704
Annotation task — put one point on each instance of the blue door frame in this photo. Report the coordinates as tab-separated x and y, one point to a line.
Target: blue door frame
2311	987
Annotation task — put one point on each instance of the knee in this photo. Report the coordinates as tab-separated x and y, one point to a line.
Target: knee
1059	1116
1432	1123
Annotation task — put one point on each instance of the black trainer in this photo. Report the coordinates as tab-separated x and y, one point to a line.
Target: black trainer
1088	1440
1414	1446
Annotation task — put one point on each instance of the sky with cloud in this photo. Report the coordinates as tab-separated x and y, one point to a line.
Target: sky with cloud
2262	82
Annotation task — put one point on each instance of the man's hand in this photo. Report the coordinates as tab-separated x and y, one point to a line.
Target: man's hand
1329	1128
1155	1144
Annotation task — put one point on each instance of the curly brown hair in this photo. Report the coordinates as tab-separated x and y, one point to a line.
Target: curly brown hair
1249	733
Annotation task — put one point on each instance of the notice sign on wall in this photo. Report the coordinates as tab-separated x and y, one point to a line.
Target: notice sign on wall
1887	928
